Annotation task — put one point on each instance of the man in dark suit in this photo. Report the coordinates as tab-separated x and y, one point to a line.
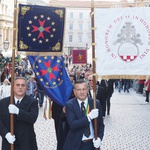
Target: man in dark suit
102	98
63	126
25	110
79	122
110	90
108	86
78	75
100	94
57	111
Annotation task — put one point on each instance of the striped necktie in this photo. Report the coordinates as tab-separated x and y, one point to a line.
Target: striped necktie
87	128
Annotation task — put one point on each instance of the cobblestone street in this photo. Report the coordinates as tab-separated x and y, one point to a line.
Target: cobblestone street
126	128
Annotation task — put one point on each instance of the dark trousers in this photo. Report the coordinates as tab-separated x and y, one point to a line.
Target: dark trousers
87	146
108	105
147	96
41	97
141	86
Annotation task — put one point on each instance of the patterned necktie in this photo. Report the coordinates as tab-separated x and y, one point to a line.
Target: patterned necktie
87	128
83	108
18	103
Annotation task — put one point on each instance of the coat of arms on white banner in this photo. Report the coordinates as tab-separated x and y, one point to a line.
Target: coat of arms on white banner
128	40
122	39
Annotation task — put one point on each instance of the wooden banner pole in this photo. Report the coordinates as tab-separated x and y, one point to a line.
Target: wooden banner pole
12	73
94	66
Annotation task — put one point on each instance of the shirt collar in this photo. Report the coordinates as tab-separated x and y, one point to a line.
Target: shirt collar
85	102
16	99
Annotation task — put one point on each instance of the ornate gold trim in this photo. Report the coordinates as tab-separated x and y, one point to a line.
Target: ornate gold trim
60	12
22	45
24	10
56	47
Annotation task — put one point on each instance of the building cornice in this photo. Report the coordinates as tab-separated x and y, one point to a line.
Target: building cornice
97	4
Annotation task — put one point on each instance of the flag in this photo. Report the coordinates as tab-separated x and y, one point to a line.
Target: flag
79	56
40	29
122	42
51	74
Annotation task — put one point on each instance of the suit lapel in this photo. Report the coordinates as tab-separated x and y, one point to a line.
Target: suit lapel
90	101
24	102
90	94
77	108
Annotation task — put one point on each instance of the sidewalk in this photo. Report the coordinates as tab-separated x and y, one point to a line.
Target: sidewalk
128	125
126	128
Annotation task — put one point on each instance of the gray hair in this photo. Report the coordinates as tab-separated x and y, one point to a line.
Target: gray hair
23	78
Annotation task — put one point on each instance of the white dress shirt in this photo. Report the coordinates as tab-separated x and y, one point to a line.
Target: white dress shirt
91	126
16	100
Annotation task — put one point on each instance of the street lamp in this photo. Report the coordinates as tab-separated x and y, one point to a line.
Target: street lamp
6	45
2	59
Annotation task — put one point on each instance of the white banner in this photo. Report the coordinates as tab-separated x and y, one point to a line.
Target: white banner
122	38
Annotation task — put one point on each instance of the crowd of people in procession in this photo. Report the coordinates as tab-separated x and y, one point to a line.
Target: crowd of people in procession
70	122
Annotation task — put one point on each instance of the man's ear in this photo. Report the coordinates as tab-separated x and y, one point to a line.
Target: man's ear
74	92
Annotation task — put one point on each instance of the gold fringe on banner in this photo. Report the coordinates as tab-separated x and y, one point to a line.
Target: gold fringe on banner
43	53
141	77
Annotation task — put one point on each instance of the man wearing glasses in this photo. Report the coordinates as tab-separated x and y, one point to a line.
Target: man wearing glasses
25	110
100	94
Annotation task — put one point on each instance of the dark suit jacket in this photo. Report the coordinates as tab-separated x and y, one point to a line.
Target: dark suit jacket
63	127
77	123
56	112
109	89
23	123
81	77
101	96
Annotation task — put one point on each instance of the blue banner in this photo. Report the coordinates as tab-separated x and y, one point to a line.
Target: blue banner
40	28
51	74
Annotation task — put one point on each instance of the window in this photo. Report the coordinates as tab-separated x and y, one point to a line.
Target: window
81	15
71	26
80	26
71	15
89	26
80	38
70	38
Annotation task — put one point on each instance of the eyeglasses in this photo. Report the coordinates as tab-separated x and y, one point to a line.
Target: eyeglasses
90	80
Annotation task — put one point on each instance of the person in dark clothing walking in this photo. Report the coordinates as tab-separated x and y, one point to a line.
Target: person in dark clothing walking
25	110
40	94
110	90
147	88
